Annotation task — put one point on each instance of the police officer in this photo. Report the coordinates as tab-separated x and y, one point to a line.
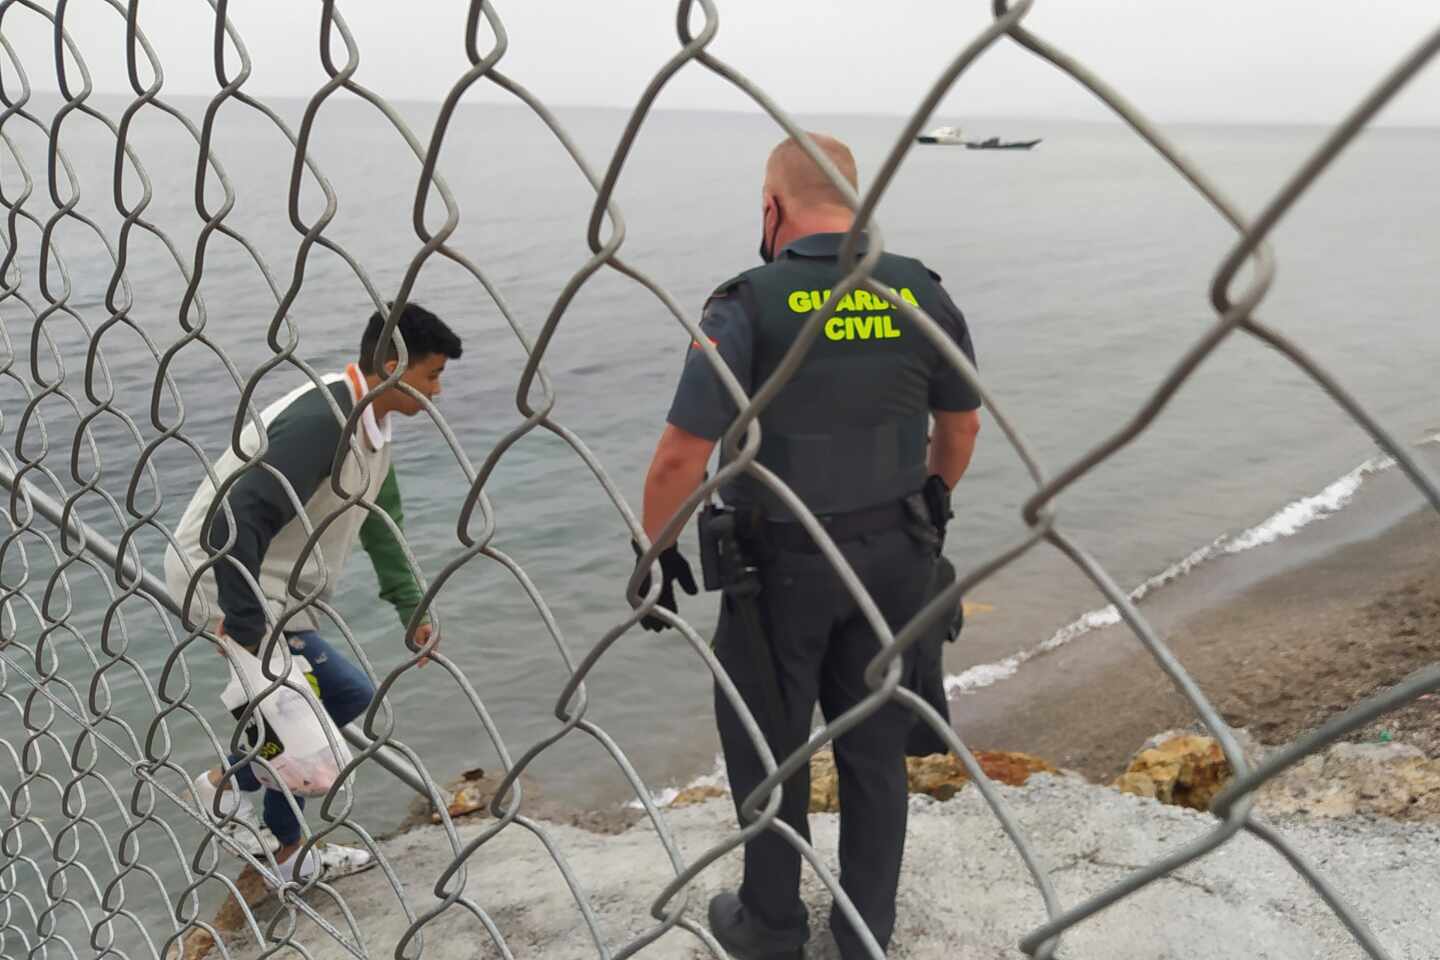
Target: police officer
848	434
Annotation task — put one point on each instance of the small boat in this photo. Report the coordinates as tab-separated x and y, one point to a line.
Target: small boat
994	144
947	136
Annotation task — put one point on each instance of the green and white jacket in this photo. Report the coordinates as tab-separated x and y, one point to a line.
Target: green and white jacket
303	436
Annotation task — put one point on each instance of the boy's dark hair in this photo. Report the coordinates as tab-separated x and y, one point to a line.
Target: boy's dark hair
423	332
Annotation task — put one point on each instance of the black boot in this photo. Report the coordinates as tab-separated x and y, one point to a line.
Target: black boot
746	937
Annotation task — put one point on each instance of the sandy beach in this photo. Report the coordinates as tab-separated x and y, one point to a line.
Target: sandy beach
1277	658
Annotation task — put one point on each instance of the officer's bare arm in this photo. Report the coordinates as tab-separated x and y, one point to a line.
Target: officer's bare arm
676	470
952	442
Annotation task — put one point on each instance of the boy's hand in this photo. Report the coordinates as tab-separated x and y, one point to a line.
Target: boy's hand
422	637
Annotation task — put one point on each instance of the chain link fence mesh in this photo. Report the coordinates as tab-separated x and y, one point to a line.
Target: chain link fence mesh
76	607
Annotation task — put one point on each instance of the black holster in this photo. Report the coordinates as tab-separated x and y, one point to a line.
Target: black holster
932	503
731	542
929	675
928	512
937	503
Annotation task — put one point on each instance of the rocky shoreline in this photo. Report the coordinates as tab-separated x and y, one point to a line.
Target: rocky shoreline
1187	769
964	892
1384	781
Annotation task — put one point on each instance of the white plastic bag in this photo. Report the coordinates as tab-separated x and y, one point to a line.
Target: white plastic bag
295	724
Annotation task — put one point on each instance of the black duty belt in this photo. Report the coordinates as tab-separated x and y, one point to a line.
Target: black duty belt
841	527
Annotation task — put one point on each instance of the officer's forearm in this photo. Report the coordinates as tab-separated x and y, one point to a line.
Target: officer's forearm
952	444
667	485
676	471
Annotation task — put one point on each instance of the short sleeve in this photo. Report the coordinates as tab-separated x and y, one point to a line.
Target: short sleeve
702	405
949	390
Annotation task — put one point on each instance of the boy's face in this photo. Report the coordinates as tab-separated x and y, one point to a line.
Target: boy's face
424	376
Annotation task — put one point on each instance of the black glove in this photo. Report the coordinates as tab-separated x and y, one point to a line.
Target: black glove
673	569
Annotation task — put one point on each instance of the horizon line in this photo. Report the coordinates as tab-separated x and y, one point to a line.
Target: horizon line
1038	116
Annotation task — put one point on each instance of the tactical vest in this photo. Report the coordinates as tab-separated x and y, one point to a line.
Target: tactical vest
850	428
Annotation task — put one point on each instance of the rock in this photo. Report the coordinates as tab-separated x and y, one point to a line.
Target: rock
940	775
1137	784
1379	779
1186	770
1010	768
195	945
470	794
231	920
473	792
1254	751
1250	747
1194	730
824	782
1344	755
691	796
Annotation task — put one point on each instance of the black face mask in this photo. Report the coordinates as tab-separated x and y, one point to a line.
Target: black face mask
767	252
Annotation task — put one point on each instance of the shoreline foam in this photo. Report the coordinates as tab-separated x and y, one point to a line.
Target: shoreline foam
1286	522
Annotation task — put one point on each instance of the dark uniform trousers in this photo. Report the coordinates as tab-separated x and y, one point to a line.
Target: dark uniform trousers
821	644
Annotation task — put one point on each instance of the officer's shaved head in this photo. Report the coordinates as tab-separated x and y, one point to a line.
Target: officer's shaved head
792	175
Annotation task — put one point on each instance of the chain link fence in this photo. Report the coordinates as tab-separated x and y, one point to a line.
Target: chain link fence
75	601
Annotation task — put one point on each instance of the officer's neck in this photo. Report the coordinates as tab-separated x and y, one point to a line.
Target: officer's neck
804	222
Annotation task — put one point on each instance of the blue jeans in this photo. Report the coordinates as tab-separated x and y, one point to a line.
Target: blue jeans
345	692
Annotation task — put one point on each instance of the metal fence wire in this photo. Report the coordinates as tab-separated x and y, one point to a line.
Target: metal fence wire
46	888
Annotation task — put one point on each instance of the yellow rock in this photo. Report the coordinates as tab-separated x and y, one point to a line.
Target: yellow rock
1139	784
1186	771
824	782
1373	779
691	796
940	775
473	793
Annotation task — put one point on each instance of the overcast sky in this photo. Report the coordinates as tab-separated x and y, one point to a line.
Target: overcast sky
1180	60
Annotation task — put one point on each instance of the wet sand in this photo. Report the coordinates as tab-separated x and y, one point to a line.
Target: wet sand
1278	658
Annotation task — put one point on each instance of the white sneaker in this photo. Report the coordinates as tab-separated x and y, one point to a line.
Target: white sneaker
330	860
240	832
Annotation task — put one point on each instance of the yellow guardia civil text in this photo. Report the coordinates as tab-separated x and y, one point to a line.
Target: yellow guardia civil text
855	315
